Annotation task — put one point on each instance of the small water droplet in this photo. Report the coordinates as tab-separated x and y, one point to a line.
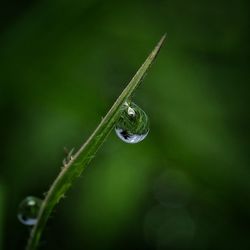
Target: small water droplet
133	125
28	210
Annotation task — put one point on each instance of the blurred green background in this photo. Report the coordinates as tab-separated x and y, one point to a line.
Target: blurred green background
63	64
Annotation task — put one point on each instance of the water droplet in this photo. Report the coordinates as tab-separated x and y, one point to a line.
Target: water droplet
28	210
133	125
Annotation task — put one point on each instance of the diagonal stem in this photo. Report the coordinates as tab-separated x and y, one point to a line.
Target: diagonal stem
86	153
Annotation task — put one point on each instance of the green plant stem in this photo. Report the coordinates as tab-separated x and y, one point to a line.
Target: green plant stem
77	163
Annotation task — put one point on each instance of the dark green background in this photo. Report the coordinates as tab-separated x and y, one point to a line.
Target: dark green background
63	64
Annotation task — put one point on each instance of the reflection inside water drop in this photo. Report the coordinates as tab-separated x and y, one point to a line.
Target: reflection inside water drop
133	125
28	210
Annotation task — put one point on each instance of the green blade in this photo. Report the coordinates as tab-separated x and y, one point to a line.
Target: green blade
77	163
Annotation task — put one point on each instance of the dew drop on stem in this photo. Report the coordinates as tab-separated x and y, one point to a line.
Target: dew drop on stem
28	210
133	125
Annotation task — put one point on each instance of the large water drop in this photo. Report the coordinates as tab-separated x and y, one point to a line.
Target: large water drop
28	210
133	125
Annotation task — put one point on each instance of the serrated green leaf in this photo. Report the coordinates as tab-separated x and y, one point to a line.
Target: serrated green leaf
77	163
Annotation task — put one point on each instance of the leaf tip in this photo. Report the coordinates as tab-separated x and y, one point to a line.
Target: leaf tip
163	38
